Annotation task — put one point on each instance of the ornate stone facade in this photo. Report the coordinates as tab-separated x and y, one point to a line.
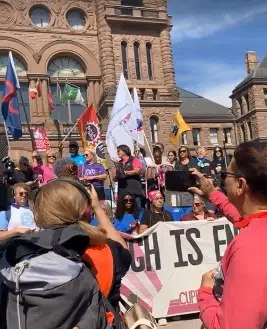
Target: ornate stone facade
45	33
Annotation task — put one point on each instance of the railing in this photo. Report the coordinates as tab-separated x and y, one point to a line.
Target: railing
136	12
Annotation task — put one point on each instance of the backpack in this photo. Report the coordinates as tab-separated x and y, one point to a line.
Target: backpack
45	284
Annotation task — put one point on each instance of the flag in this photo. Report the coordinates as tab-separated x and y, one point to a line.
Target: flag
72	93
139	119
122	126
59	91
178	128
51	103
89	130
38	86
33	92
10	105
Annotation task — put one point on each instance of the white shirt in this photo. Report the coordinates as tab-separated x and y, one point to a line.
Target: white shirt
19	217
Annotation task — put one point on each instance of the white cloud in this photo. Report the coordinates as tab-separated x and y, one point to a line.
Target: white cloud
199	26
214	81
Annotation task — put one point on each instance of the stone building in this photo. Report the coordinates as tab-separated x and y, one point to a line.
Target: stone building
88	43
249	100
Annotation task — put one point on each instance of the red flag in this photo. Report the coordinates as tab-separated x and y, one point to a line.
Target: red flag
38	87
51	103
88	127
33	92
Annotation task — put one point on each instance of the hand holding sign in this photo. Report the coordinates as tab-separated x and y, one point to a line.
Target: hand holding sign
208	279
205	185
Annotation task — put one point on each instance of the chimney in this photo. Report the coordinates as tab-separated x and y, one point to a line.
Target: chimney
251	61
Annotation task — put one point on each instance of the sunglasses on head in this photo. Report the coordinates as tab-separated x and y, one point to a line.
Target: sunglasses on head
23	193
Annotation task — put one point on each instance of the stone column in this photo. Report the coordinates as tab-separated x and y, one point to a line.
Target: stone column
106	49
167	58
91	93
97	92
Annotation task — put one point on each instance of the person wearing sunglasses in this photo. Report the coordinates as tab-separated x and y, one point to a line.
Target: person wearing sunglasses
156	213
93	173
243	269
127	216
185	161
24	172
199	211
79	159
19	217
44	173
218	163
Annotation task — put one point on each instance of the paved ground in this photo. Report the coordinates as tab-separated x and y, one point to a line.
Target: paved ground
186	322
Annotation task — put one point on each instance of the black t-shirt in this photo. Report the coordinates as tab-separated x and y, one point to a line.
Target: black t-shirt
23	177
204	166
151	218
218	166
181	167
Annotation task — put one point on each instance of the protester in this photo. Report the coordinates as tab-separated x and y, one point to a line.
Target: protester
93	173
243	268
46	172
66	168
19	215
218	163
185	161
156	213
128	175
24	172
199	211
160	146
172	158
127	216
74	153
204	165
104	204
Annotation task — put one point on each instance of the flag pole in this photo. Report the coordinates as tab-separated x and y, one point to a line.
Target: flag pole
71	130
27	119
69	111
149	148
8	142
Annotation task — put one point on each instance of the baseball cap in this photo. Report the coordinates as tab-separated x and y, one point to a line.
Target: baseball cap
73	143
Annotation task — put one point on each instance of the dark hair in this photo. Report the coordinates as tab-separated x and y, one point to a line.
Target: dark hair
251	163
187	149
23	159
65	168
120	210
126	149
143	152
214	152
173	152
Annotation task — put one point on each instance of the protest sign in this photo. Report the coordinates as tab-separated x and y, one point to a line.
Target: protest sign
41	142
169	261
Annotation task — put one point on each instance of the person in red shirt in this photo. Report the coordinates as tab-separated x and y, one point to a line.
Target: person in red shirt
242	303
199	211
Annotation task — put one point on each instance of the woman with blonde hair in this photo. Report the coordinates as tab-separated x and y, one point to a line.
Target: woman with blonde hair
44	172
93	173
61	210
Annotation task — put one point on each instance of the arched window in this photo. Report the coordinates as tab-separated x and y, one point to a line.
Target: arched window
132	3
65	66
137	60
154	128
149	60
124	59
20	67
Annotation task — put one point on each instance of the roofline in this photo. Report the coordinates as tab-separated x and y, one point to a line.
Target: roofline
247	83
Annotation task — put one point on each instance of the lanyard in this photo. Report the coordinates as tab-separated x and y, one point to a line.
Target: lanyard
244	222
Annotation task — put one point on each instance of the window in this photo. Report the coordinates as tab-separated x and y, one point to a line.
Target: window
65	66
265	96
154	129
241	106
142	94
214	136
196	136
124	59
40	16
155	94
149	60
137	60
243	135
184	138
76	19
133	3
250	130
227	135
247	101
20	68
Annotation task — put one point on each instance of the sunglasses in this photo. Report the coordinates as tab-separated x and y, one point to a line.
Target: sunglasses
26	164
23	193
224	174
86	155
52	156
197	204
128	200
183	151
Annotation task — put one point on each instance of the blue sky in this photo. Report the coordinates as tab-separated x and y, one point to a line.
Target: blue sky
210	39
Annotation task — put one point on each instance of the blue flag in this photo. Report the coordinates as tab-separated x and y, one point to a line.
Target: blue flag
10	105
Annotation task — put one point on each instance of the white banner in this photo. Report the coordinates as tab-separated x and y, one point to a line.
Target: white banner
169	261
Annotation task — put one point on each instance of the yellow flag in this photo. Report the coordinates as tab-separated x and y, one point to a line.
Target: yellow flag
179	126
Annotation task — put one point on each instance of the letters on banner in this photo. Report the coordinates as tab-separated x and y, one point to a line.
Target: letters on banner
41	142
169	261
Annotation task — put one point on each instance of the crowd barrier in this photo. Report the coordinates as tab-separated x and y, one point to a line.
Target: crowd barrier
168	262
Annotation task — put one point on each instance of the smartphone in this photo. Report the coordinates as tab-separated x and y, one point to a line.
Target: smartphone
179	181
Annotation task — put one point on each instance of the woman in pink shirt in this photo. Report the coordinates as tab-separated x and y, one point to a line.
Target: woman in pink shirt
45	172
241	301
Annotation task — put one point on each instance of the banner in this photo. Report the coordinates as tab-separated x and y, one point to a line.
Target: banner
41	142
168	263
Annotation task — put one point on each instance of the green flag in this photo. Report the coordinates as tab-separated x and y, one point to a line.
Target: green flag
73	94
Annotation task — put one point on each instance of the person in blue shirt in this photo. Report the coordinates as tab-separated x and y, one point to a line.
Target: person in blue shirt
177	212
128	215
74	154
